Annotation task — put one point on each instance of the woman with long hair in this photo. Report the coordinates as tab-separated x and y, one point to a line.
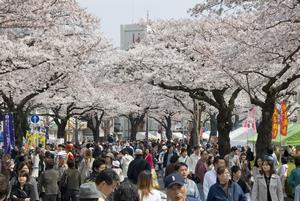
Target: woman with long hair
257	166
145	187
149	159
267	186
22	190
86	164
27	168
246	174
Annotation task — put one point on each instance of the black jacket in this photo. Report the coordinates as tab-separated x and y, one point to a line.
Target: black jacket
136	167
18	194
165	162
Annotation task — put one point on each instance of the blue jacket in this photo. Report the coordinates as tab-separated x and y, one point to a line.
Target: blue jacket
235	193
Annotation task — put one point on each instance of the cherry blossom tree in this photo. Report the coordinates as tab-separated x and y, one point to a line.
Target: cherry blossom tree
265	46
44	42
184	61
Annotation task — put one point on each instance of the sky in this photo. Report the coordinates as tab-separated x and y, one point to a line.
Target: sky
113	13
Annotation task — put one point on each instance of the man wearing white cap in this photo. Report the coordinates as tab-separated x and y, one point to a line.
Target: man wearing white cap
117	169
136	166
161	159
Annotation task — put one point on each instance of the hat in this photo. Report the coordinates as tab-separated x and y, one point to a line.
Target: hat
110	155
138	152
89	190
172	179
69	147
116	164
164	147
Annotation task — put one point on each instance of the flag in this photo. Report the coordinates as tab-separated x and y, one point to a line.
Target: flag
275	124
8	133
283	119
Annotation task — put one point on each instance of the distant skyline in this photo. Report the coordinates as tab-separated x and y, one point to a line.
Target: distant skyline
113	13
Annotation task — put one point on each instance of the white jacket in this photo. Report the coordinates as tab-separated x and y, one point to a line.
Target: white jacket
210	178
260	191
125	160
192	162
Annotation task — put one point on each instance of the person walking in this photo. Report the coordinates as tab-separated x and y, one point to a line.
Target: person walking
200	170
149	159
106	182
267	186
192	189
125	161
210	177
236	174
125	192
85	166
98	166
145	187
175	188
137	166
22	190
193	160
70	183
257	167
283	173
48	182
225	189
294	178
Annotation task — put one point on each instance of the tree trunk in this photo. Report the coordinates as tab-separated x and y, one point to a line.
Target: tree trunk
264	130
61	128
135	122
236	121
194	135
93	123
20	126
224	127
168	127
106	126
213	125
134	130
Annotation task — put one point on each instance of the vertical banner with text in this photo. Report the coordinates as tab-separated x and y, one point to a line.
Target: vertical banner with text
283	119
275	124
8	133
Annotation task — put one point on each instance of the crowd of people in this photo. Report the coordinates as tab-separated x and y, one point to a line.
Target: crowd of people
134	171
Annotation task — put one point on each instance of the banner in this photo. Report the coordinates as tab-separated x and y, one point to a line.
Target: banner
250	121
283	119
8	133
275	124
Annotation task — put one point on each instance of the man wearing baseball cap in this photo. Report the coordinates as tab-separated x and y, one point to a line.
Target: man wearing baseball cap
175	189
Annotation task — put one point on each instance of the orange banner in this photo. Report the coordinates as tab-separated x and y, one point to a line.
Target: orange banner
275	124
284	121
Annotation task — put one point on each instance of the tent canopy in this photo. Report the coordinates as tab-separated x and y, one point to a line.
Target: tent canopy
293	129
240	136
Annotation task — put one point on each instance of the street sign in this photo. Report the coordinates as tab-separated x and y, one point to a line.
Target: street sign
35	118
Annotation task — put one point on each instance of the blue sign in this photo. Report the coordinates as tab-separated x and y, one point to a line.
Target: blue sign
35	118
